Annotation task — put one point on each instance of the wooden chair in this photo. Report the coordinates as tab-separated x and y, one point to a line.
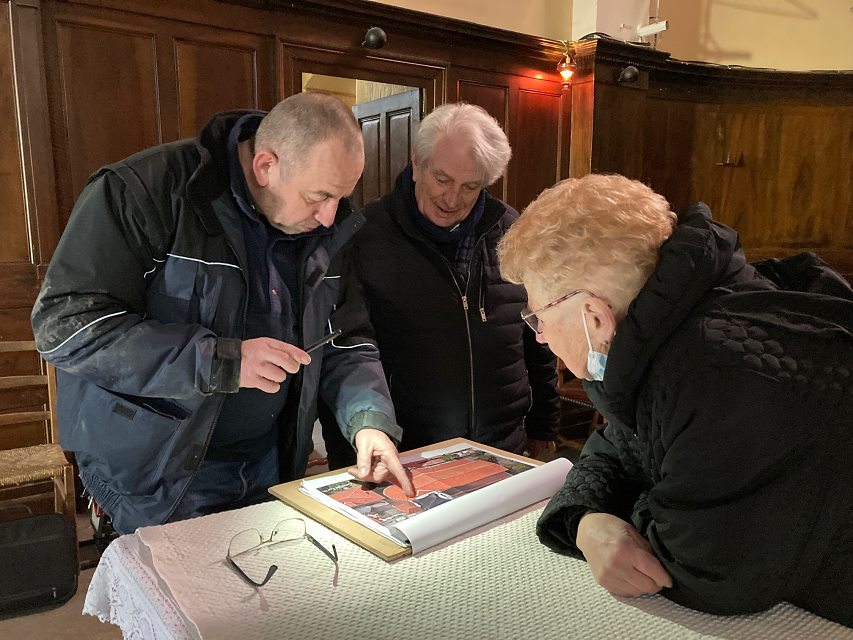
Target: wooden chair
34	470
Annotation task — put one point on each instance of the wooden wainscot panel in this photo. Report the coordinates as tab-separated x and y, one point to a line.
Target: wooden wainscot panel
534	110
15	321
624	112
538	144
494	98
219	70
769	151
668	134
35	136
105	112
14	245
19	286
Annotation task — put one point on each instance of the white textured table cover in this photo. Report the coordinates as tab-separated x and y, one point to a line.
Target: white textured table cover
172	582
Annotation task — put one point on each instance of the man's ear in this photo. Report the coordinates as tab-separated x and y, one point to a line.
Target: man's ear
414	168
263	164
600	320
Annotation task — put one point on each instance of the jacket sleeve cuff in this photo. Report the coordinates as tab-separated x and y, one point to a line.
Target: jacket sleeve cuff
373	420
540	432
225	372
558	529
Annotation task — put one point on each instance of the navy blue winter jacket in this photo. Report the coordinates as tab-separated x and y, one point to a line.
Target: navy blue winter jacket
142	311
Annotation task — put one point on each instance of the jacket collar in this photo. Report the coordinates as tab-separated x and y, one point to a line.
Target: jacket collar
700	257
210	183
395	203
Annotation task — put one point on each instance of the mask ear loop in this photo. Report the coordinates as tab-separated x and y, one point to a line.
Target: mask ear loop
586	331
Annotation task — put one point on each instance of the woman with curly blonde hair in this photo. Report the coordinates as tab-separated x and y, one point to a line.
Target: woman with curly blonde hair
715	377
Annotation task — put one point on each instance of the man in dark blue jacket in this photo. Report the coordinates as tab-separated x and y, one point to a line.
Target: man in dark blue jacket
178	301
459	359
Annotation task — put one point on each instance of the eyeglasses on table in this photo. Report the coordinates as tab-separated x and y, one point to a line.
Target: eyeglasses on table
287	533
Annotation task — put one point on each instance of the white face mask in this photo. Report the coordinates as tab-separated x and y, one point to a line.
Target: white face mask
595	360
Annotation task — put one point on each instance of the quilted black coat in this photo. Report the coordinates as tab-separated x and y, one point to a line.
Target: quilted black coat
729	445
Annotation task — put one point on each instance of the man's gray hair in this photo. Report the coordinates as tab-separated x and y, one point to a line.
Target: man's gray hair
467	124
301	121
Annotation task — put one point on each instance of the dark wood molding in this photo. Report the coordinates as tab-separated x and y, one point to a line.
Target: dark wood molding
607	51
440	29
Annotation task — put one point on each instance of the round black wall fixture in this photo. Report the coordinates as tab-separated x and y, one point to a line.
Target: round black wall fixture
375	38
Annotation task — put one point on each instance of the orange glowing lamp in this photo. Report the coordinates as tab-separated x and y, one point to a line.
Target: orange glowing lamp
566	69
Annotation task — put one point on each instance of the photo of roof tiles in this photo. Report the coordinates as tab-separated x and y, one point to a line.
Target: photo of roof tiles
436	481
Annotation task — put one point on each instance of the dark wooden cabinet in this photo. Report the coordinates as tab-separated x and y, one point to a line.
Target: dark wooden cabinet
770	152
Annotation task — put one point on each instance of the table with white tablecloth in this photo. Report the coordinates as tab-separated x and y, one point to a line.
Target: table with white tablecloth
172	581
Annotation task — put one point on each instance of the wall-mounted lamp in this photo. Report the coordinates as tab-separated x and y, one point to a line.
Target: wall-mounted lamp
566	67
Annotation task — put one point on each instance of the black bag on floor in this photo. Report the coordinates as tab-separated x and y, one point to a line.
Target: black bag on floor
38	564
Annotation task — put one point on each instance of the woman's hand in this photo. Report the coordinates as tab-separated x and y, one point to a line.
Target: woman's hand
621	560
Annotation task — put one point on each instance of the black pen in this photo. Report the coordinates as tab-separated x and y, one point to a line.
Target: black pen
325	340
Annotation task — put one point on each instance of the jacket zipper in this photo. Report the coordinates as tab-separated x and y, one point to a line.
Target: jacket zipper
465	305
464	297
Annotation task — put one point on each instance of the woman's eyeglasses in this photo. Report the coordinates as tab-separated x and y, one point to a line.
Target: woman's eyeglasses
245	546
532	317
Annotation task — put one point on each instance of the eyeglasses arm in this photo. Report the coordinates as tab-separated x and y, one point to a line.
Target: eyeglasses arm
332	555
273	568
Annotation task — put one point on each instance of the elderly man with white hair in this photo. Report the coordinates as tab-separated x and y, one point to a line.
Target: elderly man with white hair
458	358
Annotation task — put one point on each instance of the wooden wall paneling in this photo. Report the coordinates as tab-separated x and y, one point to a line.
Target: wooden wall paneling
748	170
494	97
668	133
23	434
25	168
582	98
15	320
101	112
538	126
770	152
14	241
382	150
774	173
37	142
340	25
815	211
535	113
219	70
618	122
542	129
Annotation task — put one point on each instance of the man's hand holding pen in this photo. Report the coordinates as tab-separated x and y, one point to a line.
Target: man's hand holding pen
265	362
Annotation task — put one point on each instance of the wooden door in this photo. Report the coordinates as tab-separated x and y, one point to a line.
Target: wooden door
389	126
